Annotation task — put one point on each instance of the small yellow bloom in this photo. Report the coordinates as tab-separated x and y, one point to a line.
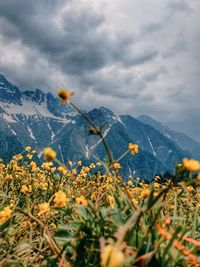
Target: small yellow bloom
5	214
24	189
29	156
82	201
191	165
116	166
49	154
130	183
65	95
145	193
112	256
43	208
60	199
74	171
28	148
63	170
92	166
79	163
134	201
111	201
133	148
70	163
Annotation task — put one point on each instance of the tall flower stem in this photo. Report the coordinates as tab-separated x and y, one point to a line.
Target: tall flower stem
96	130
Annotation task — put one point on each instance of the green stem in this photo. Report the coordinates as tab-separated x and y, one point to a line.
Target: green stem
96	130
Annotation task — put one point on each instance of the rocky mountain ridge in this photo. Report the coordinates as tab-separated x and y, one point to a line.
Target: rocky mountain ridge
38	119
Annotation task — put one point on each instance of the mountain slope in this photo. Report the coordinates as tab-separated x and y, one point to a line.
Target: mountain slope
38	119
180	139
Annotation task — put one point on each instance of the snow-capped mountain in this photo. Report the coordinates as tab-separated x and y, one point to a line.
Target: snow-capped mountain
38	119
180	139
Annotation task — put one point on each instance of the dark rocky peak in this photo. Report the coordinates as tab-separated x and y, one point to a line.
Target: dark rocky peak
36	96
9	92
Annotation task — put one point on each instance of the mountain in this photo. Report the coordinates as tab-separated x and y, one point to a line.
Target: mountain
38	119
180	139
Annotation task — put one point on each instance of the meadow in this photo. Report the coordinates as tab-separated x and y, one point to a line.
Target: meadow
74	215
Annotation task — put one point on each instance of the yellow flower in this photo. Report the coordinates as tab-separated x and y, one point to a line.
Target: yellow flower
28	148
111	256
116	166
60	199
49	154
24	189
130	183
43	208
111	201
92	166
82	201
133	148
134	201
145	193
5	214
191	165
70	163
65	95
79	163
29	156
63	170
74	171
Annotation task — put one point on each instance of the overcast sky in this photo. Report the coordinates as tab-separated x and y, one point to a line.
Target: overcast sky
136	57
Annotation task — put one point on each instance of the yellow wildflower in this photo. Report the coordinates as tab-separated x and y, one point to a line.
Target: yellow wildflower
82	201
5	214
63	170
43	208
60	199
130	183
70	163
133	148
29	156
145	193
65	95
111	201
116	166
24	189
112	256
28	148
49	154
191	165
79	163
134	201
74	171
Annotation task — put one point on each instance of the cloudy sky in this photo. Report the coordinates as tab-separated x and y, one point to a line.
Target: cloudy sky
136	57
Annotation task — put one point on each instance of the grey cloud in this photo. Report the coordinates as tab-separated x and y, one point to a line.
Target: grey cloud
77	46
75	43
179	5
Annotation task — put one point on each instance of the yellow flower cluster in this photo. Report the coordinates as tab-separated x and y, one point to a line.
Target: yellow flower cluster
133	148
5	214
60	199
191	165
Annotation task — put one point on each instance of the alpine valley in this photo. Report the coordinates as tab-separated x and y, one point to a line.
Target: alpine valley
38	119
